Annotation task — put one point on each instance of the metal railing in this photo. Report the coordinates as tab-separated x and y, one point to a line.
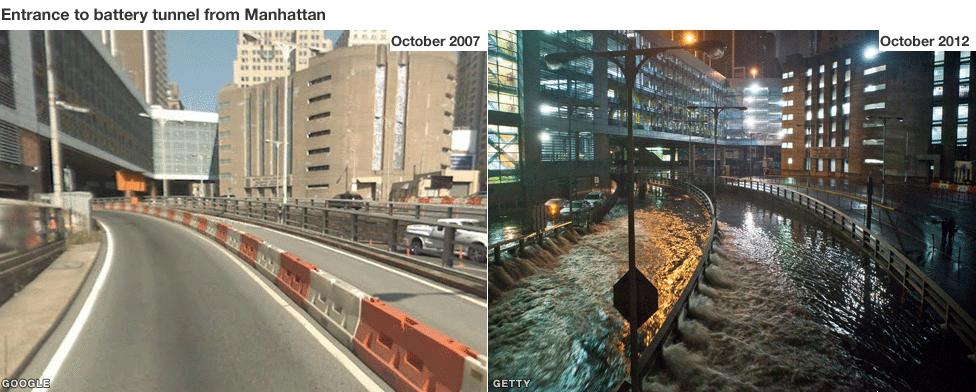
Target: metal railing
416	210
652	353
348	226
578	219
32	235
912	279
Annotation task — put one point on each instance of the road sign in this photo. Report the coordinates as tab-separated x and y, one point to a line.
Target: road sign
646	298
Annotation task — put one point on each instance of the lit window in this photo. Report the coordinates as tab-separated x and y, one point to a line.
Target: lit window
964	91
822	69
937	91
873	106
789	161
847	76
963	112
874	87
846	107
938	57
820	113
787	145
874	70
809	115
936	134
961	131
937	113
833	110
835	65
964	55
788	89
788	131
809	71
939	74
847	61
963	72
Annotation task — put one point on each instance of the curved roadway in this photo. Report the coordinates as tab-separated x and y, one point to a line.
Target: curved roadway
169	310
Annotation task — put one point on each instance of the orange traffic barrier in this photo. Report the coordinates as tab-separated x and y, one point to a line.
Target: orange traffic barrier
221	233
294	277
406	354
249	247
186	218
170	215
447	200
202	224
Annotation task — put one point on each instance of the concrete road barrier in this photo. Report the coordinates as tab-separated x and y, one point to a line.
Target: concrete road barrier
335	304
268	260
294	277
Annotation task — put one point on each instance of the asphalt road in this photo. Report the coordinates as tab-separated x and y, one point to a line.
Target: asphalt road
459	315
175	313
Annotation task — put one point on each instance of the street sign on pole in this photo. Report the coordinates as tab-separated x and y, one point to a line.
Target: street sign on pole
646	298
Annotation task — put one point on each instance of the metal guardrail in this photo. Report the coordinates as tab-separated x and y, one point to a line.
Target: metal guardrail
31	236
912	279
580	218
652	353
348	224
416	210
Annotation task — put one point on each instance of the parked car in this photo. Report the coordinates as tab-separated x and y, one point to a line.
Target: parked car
595	198
354	201
577	206
429	239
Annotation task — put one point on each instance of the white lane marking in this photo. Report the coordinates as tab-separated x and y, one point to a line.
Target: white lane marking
51	371
342	357
373	263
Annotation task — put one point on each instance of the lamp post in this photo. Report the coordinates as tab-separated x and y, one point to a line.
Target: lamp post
691	148
204	174
884	142
53	105
627	60
716	110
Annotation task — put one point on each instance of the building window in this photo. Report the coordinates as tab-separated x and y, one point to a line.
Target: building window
937	114
787	145
557	146
317	168
961	131
319	133
317	151
874	87
320	97
317	186
315	81
937	91
938	57
874	106
503	154
939	74
789	161
964	72
963	113
874	70
319	116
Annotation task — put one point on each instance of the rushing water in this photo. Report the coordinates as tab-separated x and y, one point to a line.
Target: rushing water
558	328
790	308
786	307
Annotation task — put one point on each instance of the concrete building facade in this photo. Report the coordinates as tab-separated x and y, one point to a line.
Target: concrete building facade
834	124
362	37
364	118
262	60
112	136
471	110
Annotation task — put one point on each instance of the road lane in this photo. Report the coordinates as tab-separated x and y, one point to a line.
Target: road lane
456	314
176	313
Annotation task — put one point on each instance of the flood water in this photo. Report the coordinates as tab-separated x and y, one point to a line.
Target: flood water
787	308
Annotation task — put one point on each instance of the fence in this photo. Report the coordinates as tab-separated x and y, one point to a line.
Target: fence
919	286
416	210
32	235
355	230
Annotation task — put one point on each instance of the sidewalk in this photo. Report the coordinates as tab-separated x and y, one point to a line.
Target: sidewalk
28	318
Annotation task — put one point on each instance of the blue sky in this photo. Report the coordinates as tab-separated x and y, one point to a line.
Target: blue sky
201	62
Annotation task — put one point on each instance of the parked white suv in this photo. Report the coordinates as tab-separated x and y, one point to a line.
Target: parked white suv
429	239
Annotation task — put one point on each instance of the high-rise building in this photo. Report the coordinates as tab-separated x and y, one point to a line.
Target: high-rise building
854	112
362	37
142	53
364	118
173	101
114	133
262	59
563	130
471	107
761	121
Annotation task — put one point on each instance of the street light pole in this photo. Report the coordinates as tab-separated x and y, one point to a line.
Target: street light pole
52	100
715	110
630	67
